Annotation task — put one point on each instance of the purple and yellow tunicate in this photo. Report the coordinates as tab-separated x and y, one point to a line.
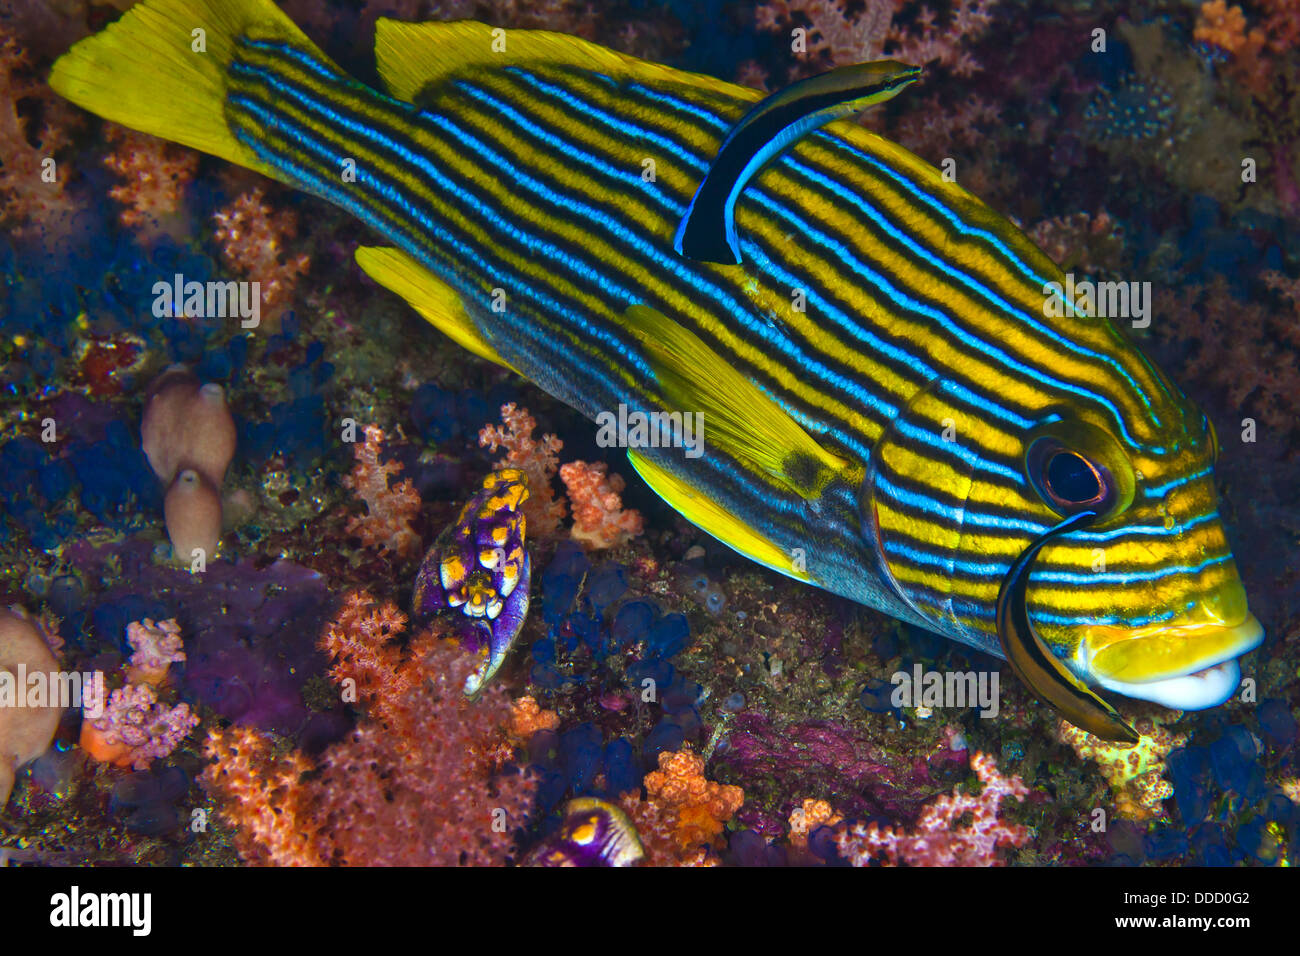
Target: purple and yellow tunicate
594	832
478	569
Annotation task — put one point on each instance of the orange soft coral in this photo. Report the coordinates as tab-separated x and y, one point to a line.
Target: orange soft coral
1257	51
683	813
807	818
262	794
30	204
252	239
527	718
599	520
389	509
538	460
154	175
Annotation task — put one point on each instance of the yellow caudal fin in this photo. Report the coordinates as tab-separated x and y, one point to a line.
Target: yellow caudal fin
438	302
161	69
740	418
707	515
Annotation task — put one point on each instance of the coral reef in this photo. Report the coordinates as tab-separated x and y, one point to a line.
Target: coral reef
666	702
417	782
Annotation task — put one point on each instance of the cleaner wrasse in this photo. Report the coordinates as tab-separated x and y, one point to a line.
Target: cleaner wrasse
898	405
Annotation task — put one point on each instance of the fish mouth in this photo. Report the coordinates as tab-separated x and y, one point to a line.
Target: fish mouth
1186	665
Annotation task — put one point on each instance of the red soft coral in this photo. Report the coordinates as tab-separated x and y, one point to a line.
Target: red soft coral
424	779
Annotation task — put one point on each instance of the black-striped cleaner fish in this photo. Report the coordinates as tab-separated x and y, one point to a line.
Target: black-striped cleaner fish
898	405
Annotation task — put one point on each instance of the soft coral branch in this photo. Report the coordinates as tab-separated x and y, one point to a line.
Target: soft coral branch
32	189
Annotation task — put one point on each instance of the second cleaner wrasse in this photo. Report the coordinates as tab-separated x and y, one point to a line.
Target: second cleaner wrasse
891	409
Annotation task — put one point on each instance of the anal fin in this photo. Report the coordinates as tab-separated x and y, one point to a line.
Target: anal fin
439	303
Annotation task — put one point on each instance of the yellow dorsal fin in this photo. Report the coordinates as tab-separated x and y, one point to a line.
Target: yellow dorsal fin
438	302
413	58
708	515
738	416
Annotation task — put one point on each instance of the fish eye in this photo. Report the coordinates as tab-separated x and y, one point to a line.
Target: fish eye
1068	480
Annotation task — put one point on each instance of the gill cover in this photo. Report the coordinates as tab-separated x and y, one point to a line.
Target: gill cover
1038	667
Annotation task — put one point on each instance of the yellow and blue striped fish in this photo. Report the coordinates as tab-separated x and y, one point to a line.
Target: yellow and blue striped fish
890	411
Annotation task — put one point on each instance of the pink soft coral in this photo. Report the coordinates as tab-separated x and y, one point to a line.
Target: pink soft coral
941	838
843	37
948	45
133	729
389	508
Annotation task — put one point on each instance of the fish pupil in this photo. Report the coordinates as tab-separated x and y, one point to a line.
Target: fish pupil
1071	478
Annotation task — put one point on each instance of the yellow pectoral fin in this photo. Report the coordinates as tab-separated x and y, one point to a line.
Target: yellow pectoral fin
438	302
708	515
738	416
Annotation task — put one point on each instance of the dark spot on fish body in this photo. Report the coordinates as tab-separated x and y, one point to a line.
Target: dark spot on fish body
803	473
